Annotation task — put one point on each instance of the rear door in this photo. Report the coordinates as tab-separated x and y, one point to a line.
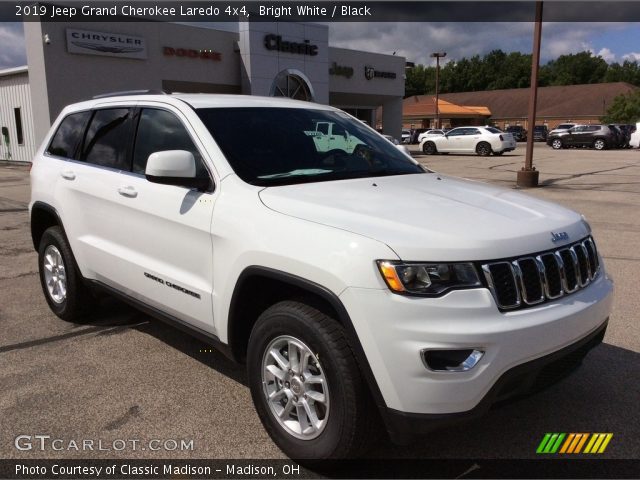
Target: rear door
471	139
87	194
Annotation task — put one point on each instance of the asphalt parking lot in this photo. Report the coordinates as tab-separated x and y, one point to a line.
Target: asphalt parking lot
124	375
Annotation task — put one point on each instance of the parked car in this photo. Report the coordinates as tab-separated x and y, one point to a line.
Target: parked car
415	133
627	131
563	127
540	133
620	137
518	131
397	144
430	133
599	137
481	140
634	141
406	136
361	290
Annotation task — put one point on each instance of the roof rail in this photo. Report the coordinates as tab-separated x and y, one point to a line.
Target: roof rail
130	92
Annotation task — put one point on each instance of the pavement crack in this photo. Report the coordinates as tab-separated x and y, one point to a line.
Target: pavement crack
133	412
20	275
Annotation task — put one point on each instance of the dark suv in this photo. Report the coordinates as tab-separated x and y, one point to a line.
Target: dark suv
518	132
540	133
599	137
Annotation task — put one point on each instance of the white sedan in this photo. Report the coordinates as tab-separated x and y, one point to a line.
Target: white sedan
481	140
430	133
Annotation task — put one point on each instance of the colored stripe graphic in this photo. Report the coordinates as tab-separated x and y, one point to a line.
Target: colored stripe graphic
573	443
581	443
543	443
550	443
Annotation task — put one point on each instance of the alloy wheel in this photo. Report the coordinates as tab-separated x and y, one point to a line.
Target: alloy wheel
295	387
55	274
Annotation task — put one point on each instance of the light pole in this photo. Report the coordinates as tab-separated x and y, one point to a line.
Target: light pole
528	176
438	56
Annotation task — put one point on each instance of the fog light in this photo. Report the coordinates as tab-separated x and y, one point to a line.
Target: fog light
451	360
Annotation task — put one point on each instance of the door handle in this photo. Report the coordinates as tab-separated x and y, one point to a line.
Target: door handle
128	191
68	175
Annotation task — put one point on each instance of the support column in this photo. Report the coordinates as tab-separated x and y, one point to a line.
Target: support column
392	118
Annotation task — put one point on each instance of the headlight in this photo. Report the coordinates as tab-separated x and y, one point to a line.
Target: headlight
428	278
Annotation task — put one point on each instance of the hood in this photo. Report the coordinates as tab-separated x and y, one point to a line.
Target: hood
431	217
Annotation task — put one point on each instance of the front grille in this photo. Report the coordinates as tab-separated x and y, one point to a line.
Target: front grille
534	279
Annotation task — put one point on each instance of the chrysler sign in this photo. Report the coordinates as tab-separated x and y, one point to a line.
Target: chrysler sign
106	44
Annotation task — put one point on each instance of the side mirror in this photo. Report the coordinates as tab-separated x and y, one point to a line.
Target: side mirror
174	167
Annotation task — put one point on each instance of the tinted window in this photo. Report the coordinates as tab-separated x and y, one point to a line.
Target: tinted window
564	126
455	132
67	139
473	131
107	138
493	130
159	130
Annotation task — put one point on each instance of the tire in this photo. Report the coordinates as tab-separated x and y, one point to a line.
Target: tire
429	148
556	144
346	416
483	149
599	144
60	278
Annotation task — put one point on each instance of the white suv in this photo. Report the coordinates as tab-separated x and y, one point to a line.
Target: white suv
360	288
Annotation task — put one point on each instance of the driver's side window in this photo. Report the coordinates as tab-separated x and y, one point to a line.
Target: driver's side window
160	130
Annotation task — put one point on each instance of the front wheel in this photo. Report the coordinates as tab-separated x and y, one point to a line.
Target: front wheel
306	385
556	144
599	144
429	148
483	149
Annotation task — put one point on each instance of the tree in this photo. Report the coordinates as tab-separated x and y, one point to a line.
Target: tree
574	69
420	80
624	109
627	72
499	70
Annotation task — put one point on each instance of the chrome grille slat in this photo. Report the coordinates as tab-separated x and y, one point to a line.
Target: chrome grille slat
534	279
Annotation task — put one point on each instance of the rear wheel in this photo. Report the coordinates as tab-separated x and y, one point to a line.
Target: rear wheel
61	282
556	144
483	149
429	148
306	385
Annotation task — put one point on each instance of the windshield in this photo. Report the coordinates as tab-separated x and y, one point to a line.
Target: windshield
277	146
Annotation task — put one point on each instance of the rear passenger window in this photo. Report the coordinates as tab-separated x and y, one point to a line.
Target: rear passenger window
66	141
107	139
159	130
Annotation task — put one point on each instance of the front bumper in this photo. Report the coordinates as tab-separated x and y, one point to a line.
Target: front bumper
523	379
394	329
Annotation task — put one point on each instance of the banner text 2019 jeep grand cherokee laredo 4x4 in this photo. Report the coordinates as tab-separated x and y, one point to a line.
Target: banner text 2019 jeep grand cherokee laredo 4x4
355	285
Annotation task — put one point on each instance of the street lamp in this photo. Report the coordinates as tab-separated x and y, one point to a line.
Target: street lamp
438	56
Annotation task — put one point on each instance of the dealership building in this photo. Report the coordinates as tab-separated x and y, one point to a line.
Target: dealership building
70	62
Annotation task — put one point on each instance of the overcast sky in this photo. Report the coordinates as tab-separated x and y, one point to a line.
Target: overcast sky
415	41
